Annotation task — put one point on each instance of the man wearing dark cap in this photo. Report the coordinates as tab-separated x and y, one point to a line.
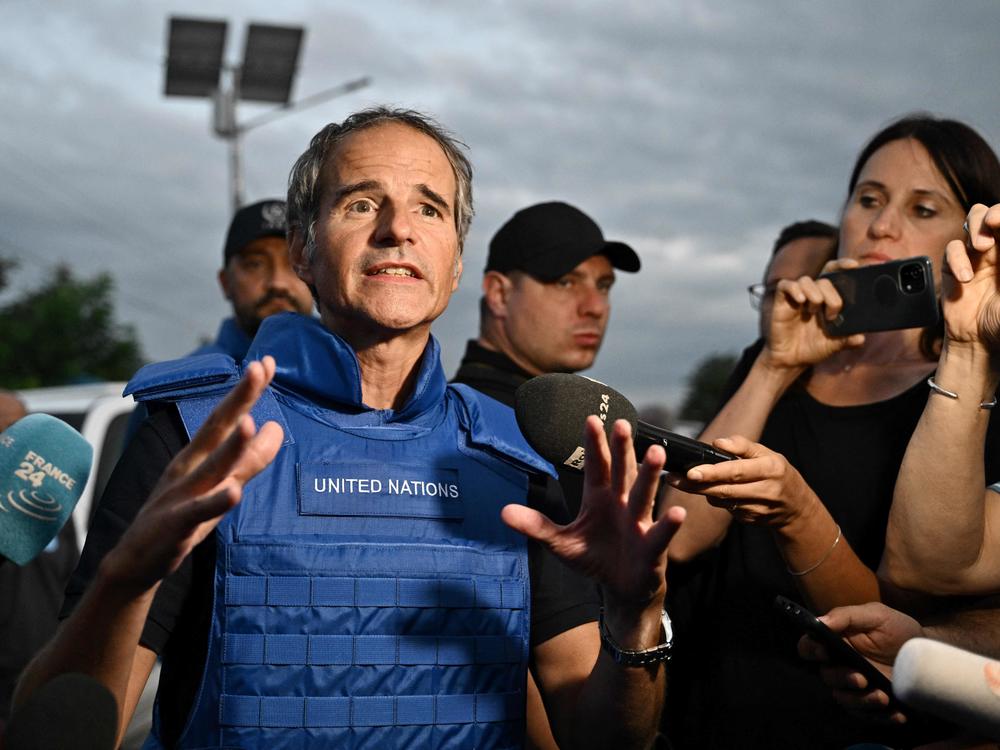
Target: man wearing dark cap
544	309
546	298
256	277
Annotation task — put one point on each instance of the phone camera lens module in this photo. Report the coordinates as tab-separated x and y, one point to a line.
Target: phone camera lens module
911	278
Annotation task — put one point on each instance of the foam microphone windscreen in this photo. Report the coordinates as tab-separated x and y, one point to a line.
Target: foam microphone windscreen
949	683
70	712
551	411
44	466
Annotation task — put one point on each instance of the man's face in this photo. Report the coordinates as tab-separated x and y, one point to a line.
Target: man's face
805	256
558	326
387	256
259	281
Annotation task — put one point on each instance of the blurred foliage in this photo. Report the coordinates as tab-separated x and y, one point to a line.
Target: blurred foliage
705	386
6	266
64	332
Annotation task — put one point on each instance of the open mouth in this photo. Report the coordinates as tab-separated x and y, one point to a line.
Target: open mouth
396	271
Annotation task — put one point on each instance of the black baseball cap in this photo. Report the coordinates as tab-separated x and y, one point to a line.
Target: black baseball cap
261	219
548	240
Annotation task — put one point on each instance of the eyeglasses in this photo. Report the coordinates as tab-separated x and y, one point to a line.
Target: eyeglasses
759	291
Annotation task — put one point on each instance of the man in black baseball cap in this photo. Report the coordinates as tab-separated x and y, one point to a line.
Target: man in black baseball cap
546	297
256	277
545	306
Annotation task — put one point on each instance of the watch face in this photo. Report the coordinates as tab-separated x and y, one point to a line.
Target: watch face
668	629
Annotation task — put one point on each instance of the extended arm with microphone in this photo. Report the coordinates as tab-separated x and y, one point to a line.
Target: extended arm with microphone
551	411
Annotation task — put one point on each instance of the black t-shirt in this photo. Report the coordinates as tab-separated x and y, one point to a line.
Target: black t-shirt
179	619
737	680
561	598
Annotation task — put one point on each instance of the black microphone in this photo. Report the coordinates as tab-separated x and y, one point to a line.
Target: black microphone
551	410
70	712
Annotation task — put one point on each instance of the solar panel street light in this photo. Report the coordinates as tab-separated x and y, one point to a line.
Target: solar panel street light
195	67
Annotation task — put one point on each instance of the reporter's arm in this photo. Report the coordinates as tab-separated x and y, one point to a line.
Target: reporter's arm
745	414
202	483
761	487
944	528
796	340
100	639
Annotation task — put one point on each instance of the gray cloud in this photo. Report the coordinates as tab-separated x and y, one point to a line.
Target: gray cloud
692	131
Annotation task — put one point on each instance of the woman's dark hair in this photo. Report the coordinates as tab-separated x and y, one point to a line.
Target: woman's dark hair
963	158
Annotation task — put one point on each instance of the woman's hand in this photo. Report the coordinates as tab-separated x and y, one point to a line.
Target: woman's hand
970	297
761	487
798	336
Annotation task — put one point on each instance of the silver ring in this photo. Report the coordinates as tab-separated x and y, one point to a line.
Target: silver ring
965	227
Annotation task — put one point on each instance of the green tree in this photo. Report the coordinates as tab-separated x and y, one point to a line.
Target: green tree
705	385
65	332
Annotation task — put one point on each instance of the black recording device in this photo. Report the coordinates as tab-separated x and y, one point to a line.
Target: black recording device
884	297
839	651
683	453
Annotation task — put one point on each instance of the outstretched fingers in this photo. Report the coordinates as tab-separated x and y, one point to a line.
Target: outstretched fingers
623	465
661	532
529	522
224	418
647	481
597	461
211	507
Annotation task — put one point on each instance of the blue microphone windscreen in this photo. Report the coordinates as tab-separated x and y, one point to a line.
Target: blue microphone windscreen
44	466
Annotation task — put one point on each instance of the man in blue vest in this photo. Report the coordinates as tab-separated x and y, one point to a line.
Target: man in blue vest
369	587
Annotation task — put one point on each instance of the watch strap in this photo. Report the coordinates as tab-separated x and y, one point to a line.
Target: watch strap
644	657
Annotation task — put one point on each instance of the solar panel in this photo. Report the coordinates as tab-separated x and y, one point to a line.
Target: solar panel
269	63
194	56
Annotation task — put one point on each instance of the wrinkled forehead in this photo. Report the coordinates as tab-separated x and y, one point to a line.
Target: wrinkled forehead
391	153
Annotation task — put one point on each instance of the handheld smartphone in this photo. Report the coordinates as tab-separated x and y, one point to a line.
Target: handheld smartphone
682	452
884	297
841	653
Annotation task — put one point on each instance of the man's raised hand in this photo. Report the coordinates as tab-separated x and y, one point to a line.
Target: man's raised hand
614	539
199	486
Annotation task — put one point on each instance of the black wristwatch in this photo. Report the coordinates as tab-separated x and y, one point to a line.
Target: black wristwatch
643	658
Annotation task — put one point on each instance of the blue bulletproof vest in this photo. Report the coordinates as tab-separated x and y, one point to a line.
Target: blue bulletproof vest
367	594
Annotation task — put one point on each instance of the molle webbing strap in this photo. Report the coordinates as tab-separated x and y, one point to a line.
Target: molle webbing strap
368	711
367	650
305	591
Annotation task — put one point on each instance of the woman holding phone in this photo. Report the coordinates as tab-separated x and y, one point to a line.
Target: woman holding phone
805	517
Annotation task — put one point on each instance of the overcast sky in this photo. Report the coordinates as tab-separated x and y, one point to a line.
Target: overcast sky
693	131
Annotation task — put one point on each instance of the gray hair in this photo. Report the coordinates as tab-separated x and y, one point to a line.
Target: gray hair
305	190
